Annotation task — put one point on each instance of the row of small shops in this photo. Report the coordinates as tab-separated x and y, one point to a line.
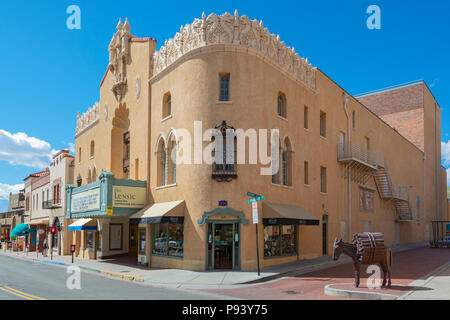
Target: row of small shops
111	218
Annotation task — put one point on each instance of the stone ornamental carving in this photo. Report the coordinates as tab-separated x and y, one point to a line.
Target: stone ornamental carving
119	49
228	29
88	118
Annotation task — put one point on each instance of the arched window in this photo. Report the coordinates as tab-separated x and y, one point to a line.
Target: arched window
167	105
161	163
92	148
282	110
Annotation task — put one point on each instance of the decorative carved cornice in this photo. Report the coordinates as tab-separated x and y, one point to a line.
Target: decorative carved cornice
88	118
228	29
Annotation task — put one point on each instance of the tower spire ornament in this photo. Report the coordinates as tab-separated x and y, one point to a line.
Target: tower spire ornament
119	49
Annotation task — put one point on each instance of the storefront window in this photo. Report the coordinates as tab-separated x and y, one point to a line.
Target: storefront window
90	240
160	239
168	239
280	240
142	241
176	239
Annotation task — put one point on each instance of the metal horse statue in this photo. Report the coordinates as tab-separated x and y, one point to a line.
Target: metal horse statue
351	250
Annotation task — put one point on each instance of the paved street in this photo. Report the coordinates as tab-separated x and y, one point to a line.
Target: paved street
24	280
408	266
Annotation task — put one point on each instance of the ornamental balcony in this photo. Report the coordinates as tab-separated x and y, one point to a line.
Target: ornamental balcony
224	172
50	204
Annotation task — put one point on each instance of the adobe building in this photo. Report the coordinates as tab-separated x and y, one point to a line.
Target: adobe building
14	216
346	164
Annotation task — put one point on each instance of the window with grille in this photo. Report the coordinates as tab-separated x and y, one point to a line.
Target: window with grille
224	87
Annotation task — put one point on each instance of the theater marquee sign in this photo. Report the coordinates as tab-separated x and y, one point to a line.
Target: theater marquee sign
129	197
86	201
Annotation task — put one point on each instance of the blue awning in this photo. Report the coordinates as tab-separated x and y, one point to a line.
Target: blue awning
83	224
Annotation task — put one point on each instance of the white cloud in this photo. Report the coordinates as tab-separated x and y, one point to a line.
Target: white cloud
435	82
20	149
445	150
6	189
71	147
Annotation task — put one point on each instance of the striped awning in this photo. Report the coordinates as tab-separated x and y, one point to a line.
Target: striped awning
83	224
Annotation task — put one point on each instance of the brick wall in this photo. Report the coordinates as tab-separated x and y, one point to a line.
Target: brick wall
397	100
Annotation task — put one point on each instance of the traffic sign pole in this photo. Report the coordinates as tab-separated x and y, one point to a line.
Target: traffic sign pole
257	249
254	201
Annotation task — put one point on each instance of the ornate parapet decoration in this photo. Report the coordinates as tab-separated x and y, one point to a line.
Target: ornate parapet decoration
228	29
88	118
119	49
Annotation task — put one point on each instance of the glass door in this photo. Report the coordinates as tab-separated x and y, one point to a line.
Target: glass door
223	245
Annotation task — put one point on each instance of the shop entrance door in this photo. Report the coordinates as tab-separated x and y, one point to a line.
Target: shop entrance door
223	245
133	240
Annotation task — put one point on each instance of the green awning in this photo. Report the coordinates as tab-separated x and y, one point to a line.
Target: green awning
20	230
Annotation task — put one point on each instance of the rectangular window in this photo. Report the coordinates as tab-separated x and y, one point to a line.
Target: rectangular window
79	155
280	240
353	119
168	239
323	179
305	118
142	241
366	200
323	124
306	173
224	87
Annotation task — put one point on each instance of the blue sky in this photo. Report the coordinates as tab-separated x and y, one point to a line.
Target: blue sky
49	72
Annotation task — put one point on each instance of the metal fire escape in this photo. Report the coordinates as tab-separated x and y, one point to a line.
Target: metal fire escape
363	163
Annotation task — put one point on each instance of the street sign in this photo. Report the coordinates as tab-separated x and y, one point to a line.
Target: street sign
53	230
255	212
253	195
72	248
109	211
259	198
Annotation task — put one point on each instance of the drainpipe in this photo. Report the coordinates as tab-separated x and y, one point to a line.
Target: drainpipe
349	173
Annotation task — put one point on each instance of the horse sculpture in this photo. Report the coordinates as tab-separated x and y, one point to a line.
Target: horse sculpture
365	253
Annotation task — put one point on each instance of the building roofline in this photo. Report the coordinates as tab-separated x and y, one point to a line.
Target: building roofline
370	111
392	88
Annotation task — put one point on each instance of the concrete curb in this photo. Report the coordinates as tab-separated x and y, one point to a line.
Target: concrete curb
366	295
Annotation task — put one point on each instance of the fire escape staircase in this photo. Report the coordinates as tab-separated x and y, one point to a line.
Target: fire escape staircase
363	164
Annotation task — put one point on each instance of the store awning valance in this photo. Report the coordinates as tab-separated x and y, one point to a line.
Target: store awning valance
286	214
83	224
38	221
160	212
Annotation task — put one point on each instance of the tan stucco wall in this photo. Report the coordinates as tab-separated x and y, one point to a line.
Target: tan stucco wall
255	84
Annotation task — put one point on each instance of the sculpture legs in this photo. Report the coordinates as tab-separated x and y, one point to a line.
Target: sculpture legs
357	273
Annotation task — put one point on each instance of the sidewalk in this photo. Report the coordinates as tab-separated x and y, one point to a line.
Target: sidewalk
436	284
192	279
